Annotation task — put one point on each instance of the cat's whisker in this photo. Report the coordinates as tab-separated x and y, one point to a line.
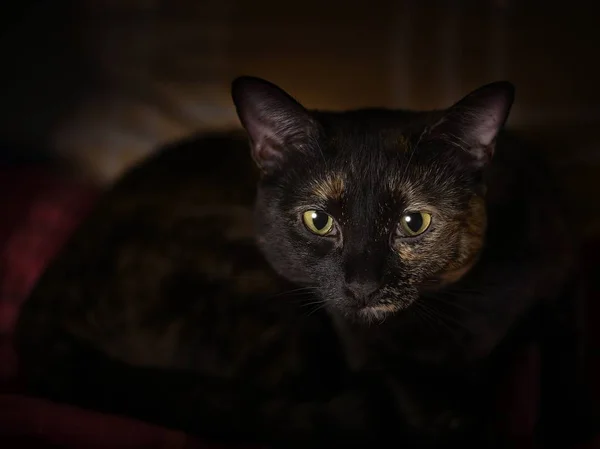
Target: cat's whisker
305	300
318	301
383	318
412	151
321	303
437	317
318	146
423	317
312	303
316	309
295	292
425	312
445	317
463	291
457	298
448	301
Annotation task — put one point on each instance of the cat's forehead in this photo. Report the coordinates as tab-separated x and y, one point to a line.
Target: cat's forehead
374	174
374	163
381	174
376	156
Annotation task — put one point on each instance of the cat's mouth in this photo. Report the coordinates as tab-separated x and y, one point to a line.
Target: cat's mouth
377	312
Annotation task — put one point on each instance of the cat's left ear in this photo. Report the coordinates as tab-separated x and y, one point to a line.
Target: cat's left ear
473	123
275	122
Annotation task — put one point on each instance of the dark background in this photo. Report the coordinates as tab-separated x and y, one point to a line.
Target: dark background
101	82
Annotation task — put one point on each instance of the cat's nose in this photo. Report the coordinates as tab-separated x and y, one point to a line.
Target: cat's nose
361	291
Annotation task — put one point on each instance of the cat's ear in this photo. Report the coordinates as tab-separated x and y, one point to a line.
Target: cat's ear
275	122
473	123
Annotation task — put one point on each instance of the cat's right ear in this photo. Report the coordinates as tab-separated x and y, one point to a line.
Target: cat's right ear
275	122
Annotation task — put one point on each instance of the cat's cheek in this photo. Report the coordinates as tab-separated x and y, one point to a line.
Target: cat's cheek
417	265
284	256
407	254
454	275
465	247
319	248
421	257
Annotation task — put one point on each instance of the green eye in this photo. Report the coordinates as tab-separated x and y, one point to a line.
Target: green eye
415	223
317	222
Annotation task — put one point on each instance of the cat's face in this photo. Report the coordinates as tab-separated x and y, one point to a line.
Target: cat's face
370	207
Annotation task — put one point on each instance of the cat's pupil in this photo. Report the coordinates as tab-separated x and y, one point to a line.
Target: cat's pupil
319	220
414	221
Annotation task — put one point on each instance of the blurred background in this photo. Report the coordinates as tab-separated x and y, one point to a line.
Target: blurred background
98	84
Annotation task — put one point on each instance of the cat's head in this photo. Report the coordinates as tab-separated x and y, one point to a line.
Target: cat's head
371	207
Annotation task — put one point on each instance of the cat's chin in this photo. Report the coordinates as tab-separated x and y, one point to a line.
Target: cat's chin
376	312
369	314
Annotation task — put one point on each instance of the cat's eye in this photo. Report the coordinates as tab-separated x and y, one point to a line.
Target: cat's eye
317	222
413	224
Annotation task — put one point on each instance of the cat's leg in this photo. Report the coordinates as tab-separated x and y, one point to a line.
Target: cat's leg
358	415
217	409
364	410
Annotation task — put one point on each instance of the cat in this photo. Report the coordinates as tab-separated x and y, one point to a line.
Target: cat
376	284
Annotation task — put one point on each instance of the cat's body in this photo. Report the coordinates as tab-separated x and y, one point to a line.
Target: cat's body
202	334
204	302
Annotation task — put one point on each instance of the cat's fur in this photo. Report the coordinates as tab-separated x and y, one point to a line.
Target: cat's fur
163	307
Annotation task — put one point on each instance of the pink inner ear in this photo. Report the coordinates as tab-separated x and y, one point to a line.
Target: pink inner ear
272	118
486	128
266	153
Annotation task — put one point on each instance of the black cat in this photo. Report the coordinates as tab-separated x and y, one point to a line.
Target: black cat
391	266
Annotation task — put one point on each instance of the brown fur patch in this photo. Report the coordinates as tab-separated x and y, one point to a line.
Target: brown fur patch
408	253
329	188
451	276
471	241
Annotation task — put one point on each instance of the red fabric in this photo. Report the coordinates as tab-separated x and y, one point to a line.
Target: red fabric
69	427
38	214
39	211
